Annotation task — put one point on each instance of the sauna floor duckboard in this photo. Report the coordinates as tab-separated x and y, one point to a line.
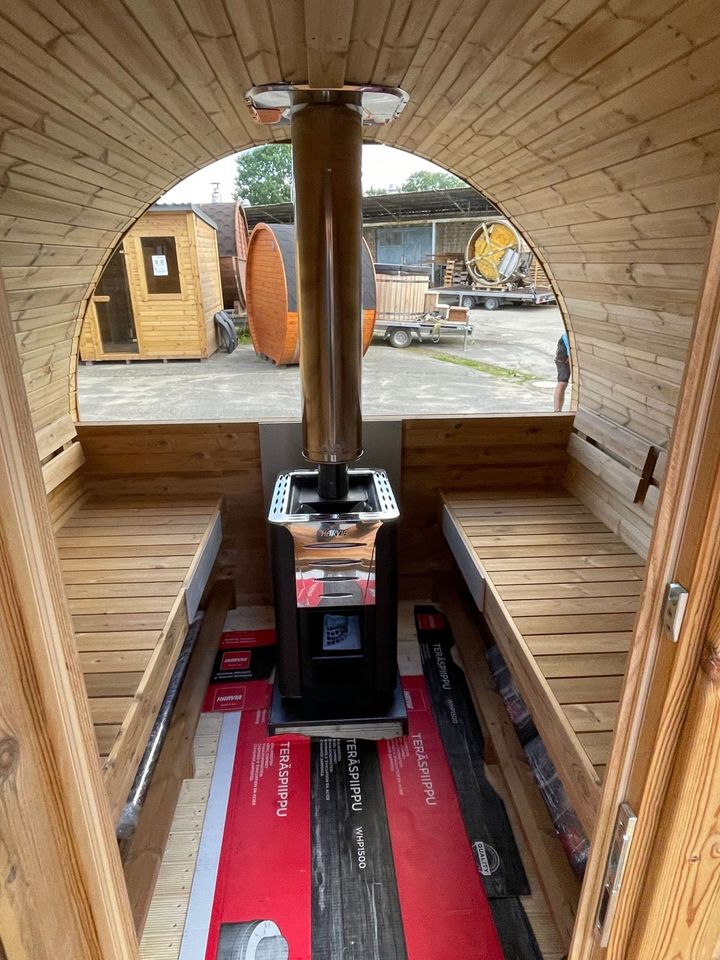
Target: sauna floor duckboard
316	850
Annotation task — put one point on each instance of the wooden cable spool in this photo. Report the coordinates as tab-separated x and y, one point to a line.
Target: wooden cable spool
496	253
233	240
271	291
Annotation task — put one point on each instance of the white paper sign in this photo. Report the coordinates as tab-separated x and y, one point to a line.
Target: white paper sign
160	267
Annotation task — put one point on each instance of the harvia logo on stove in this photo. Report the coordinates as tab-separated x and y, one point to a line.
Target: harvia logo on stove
487	858
331	532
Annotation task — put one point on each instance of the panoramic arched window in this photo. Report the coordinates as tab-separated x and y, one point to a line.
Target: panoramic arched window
459	317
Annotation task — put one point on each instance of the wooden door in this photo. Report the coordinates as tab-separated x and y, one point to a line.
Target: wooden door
666	758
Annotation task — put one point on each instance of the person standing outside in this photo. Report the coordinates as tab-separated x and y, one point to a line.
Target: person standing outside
562	362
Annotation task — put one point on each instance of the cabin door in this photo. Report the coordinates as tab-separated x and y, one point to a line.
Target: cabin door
116	323
665	763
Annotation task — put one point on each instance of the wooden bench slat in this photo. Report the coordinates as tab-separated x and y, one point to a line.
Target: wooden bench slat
134	588
538	551
114	661
579	623
571	591
157	575
55	435
564	561
585	717
533	526
120	551
572	605
578	664
119	640
587	689
579	575
512	539
115	684
100	563
62	466
597	745
547	645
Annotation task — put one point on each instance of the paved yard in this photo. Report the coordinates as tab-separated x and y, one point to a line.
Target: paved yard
507	367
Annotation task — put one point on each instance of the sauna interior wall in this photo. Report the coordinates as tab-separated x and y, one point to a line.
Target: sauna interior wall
595	125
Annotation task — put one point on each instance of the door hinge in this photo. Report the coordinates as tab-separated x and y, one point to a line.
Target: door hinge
614	870
676	598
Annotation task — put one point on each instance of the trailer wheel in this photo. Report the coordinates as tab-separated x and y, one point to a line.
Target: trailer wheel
468	302
400	338
256	940
491	303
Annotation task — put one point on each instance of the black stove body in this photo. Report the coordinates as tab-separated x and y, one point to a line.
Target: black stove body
335	587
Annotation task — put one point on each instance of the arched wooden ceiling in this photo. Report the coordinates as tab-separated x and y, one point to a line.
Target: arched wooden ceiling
595	124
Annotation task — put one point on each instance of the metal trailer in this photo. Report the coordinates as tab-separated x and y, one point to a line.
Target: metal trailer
489	299
401	333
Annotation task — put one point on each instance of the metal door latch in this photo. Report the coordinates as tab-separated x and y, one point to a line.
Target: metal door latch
612	881
676	598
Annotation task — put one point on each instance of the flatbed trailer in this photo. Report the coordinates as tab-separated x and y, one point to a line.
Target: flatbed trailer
401	333
489	299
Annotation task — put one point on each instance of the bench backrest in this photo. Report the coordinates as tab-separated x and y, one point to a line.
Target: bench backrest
617	473
61	458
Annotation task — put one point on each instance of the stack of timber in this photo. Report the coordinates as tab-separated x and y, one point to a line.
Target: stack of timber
271	291
233	239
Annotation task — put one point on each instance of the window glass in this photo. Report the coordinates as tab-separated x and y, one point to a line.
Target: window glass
161	266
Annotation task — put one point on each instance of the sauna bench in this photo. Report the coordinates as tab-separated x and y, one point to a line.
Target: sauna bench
559	592
134	572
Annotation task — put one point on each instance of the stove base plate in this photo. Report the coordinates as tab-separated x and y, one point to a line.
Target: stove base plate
287	716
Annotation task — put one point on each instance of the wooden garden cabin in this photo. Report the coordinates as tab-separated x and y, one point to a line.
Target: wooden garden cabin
159	291
594	126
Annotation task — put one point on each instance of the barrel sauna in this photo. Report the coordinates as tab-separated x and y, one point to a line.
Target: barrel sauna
271	292
233	238
497	254
400	292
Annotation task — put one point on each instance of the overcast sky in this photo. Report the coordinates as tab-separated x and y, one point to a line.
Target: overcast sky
382	167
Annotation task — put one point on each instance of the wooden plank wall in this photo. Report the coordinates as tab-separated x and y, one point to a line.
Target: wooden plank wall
203	459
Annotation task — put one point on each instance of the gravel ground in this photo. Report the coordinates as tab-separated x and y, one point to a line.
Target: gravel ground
508	366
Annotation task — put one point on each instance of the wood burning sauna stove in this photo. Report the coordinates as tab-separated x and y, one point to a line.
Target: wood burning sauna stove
333	526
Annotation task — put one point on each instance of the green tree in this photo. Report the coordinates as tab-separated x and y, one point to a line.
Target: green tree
429	180
377	191
264	175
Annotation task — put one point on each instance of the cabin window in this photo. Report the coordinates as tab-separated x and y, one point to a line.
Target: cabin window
161	266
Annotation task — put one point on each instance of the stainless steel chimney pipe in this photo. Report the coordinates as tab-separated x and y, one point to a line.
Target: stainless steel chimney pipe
327	152
327	158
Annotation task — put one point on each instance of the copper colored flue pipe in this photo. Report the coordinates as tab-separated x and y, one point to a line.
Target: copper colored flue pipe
327	157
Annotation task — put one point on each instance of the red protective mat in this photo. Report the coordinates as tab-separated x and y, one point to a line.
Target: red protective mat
346	848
